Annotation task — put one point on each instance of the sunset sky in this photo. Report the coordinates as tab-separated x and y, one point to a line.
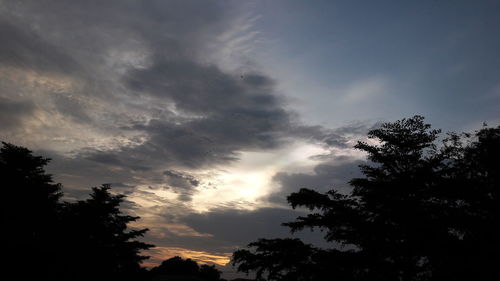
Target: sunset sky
207	114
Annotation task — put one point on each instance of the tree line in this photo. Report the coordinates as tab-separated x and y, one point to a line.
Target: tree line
427	208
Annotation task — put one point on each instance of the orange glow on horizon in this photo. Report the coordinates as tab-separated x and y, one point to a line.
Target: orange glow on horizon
159	254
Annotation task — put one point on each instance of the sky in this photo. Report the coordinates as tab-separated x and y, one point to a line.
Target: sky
207	114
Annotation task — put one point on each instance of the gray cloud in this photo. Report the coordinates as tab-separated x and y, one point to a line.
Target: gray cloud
198	88
143	67
181	182
137	78
231	114
25	48
95	41
333	175
235	228
70	106
78	174
160	63
12	112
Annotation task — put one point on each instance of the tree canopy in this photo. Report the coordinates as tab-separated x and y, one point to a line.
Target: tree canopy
29	209
101	246
185	269
46	238
422	211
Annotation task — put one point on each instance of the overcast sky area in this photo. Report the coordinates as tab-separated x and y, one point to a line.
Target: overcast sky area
207	114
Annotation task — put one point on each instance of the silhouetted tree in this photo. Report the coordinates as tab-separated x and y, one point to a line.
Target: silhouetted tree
99	245
29	207
420	212
277	259
177	268
472	184
209	273
46	239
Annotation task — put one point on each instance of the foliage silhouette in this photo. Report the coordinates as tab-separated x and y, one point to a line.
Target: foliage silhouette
55	240
100	245
209	273
420	213
29	207
177	268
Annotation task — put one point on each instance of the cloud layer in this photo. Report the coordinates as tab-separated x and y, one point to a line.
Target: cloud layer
130	93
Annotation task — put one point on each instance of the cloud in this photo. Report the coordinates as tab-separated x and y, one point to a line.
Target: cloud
143	93
221	113
12	112
145	82
27	49
71	106
241	227
238	228
334	174
129	93
145	78
182	182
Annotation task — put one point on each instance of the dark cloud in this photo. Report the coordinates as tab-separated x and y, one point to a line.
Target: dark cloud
216	114
70	106
89	29
180	180
224	114
139	73
25	48
115	158
237	228
12	112
327	176
203	89
341	137
81	174
191	113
